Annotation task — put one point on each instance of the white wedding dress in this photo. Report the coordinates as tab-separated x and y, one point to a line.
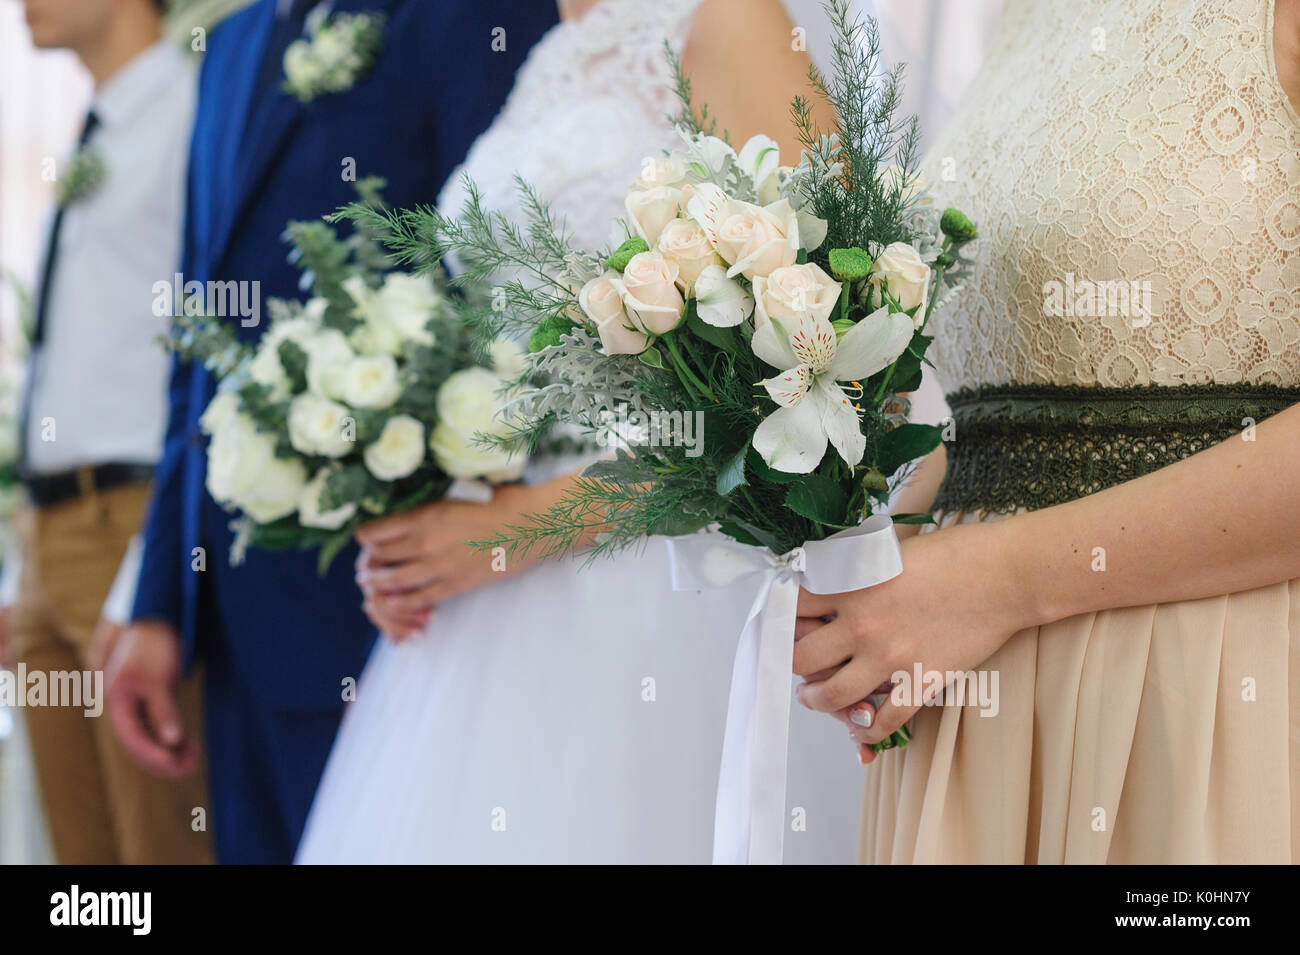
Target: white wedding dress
572	714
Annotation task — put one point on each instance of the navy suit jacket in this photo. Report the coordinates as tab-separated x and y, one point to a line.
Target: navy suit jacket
437	83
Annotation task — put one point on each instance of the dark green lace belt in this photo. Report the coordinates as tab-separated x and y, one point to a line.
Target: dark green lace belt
1033	446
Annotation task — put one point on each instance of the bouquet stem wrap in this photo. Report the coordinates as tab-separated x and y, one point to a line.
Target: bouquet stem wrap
749	819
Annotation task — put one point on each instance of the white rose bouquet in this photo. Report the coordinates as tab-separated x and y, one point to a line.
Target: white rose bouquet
363	401
777	310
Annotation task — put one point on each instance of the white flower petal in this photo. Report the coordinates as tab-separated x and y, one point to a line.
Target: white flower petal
812	339
839	419
721	301
788	388
792	439
760	157
872	344
706	207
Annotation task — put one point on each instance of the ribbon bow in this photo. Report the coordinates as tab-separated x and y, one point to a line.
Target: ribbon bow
749	818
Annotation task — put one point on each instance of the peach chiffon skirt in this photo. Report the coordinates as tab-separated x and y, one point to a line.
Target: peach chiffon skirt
1160	734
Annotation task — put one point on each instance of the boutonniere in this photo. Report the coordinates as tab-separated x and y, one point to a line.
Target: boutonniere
82	176
336	52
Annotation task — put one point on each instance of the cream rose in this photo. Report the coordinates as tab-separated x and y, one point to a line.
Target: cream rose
328	355
408	302
320	426
661	171
650	210
796	290
650	293
467	407
685	243
601	300
398	450
900	268
758	241
309	505
371	381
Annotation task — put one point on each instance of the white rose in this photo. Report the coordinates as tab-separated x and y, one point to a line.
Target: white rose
650	293
309	504
507	357
371	381
328	355
661	171
408	302
276	492
243	471
796	290
649	210
601	300
320	426
758	241
266	369
398	450
314	309
685	243
900	267
223	406
467	405
376	334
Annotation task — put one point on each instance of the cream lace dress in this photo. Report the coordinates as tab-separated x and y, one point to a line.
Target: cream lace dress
1126	140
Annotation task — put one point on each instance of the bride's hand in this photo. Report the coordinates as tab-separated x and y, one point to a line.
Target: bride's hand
412	561
949	610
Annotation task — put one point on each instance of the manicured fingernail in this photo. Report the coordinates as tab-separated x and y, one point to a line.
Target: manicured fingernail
862	717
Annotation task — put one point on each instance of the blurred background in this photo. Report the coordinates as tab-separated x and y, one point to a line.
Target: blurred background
43	97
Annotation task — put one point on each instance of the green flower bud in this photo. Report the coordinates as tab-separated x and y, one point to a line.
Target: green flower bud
623	254
873	480
850	265
956	226
548	333
944	260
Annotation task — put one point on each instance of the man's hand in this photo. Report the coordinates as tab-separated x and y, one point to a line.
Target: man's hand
412	561
142	675
103	641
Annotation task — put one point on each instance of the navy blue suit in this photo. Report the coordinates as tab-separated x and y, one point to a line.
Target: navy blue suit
277	641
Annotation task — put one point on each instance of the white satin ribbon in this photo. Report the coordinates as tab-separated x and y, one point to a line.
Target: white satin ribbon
749	818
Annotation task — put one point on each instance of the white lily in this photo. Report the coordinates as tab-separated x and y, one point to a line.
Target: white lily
721	301
814	408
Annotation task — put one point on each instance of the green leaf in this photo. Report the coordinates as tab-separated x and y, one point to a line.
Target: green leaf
625	252
913	518
736	530
724	339
625	470
770	474
652	357
906	443
732	474
819	499
330	549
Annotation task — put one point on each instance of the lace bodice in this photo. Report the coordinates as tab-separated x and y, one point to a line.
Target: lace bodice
1125	141
590	102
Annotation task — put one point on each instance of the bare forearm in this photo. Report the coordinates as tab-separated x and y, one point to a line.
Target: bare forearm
918	494
1224	520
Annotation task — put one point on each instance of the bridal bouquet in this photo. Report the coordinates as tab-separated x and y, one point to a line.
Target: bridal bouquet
363	401
750	338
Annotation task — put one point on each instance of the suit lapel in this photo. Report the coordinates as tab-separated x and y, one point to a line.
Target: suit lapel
262	141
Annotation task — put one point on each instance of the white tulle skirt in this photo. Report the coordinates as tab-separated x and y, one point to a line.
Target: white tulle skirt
572	714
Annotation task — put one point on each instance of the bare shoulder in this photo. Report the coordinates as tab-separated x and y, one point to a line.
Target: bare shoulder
746	60
1286	47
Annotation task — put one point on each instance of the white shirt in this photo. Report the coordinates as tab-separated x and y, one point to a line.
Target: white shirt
100	375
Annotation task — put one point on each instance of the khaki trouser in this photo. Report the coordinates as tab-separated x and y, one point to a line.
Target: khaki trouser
102	808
